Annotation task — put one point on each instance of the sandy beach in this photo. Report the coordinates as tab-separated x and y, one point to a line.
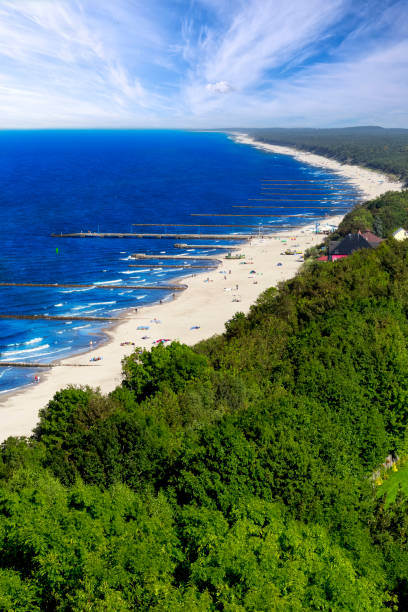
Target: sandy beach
370	182
201	311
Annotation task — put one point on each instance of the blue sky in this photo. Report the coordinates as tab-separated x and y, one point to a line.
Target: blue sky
203	63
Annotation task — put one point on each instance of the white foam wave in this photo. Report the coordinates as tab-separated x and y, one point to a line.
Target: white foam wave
24	351
9	390
129	272
74	290
32	341
58	305
43	354
111	282
140	297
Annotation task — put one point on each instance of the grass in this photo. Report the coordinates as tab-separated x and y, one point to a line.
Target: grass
391	485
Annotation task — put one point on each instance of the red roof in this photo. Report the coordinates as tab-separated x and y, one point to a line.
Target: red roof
323	258
371	238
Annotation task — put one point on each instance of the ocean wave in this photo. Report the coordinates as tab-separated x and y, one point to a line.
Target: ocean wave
20	352
85	310
75	290
54	352
58	305
101	303
32	341
9	390
140	297
111	282
129	272
78	327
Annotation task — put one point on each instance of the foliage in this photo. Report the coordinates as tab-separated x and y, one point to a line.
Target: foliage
383	215
149	371
371	146
235	475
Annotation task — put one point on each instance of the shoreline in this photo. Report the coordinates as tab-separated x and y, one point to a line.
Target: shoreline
201	311
371	183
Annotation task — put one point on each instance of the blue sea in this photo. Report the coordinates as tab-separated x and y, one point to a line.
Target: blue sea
70	181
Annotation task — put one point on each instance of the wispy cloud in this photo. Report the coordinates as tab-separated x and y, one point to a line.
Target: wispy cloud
202	63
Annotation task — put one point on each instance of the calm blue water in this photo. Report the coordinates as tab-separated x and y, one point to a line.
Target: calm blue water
69	181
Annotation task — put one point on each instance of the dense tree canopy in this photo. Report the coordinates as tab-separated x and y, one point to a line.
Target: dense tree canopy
371	146
235	475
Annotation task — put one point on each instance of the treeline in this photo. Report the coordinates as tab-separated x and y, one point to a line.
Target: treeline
382	216
235	475
374	147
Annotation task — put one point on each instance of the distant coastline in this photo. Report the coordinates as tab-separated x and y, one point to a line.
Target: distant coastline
372	183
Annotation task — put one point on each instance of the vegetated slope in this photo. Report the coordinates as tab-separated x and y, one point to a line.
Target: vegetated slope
383	215
374	147
232	476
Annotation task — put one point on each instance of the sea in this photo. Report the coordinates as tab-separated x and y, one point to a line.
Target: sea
68	181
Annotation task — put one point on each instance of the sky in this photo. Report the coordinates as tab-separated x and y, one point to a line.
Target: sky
203	63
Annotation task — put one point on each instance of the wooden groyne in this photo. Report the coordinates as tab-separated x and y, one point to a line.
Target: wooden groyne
327	180
193	225
291	200
334	207
58	317
154	236
182	245
154	256
24	364
70	286
326	208
278	191
184	267
315	217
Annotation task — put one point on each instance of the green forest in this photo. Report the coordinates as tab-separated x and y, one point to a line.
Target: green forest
375	147
382	216
236	475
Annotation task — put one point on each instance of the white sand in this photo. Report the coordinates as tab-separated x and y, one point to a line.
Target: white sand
370	182
205	304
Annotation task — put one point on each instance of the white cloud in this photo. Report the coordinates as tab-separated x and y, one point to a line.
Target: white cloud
92	63
222	87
